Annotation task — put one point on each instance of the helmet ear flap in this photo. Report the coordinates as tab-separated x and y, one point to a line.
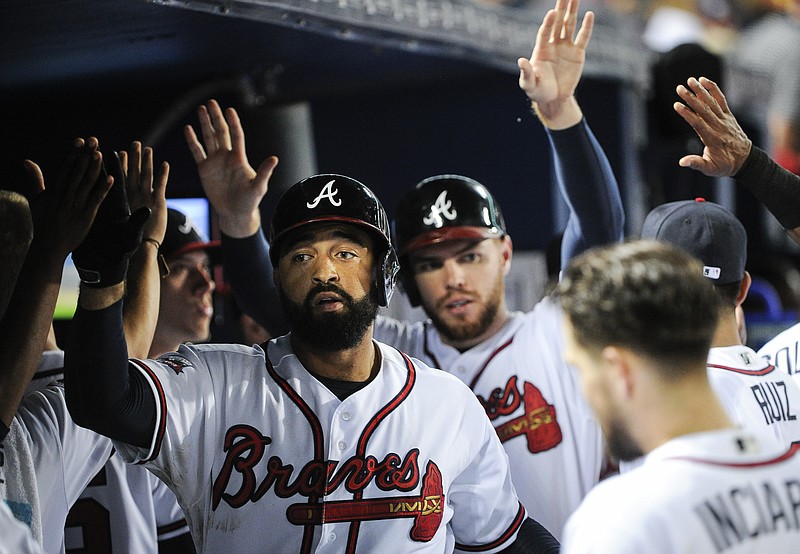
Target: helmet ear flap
386	277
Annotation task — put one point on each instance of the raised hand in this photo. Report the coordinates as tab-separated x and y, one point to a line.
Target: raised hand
552	73
144	191
102	258
231	184
706	110
63	211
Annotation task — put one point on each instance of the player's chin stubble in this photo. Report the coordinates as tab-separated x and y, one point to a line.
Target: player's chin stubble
330	332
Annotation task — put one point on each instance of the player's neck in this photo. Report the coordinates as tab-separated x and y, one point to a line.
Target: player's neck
727	333
687	407
353	364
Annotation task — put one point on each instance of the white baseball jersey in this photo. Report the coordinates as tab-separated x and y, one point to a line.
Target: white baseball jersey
756	395
721	491
63	456
783	351
124	508
17	537
533	399
263	457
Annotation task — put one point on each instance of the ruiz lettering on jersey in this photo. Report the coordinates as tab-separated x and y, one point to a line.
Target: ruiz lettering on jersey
740	514
538	423
773	399
245	448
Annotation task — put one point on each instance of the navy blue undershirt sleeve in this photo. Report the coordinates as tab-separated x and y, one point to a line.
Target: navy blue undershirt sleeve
533	537
776	187
248	269
103	392
590	189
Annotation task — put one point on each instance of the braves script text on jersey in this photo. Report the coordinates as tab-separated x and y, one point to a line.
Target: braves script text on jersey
408	462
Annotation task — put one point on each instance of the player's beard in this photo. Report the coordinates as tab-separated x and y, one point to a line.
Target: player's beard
465	330
620	442
330	332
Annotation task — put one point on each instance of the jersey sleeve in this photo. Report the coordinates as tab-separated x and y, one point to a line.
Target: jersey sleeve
589	188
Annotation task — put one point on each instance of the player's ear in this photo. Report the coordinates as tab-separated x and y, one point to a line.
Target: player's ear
276	278
506	251
617	364
744	288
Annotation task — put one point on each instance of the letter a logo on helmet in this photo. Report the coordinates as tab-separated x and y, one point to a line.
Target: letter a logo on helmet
442	207
348	201
327	192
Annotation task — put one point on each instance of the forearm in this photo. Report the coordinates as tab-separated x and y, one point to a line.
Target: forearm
26	323
777	188
103	392
140	310
248	269
589	187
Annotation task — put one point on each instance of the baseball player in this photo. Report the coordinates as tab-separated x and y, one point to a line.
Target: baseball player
125	508
756	395
455	252
730	153
638	327
340	442
45	459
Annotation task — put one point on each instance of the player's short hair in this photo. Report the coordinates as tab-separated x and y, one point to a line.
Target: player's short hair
643	295
16	233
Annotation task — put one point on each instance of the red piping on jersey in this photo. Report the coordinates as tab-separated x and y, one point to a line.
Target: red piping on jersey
489	359
366	434
316	432
513	528
162	402
431	355
764	371
793	449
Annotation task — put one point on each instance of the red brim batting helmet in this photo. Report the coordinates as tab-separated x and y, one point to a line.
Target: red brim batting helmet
443	208
336	198
446	207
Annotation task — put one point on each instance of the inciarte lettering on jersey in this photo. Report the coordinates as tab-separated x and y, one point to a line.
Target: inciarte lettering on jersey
538	424
745	513
773	399
245	447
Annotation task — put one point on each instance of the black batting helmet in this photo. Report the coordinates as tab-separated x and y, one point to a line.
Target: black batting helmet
331	197
441	208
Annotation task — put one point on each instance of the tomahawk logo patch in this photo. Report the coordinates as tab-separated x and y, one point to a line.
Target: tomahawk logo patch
175	363
327	192
442	207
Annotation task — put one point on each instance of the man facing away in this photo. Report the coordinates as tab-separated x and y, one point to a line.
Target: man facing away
639	319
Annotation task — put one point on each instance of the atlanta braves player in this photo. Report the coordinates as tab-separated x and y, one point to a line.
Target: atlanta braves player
318	433
638	329
455	251
46	460
756	396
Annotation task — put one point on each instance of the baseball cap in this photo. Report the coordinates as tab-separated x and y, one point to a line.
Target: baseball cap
182	236
707	231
